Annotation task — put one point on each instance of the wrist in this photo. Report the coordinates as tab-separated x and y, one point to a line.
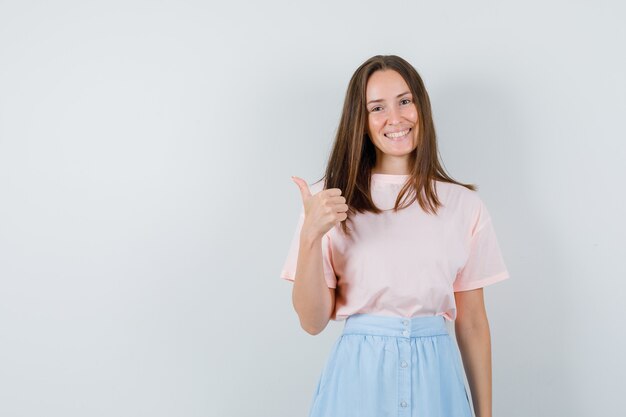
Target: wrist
309	238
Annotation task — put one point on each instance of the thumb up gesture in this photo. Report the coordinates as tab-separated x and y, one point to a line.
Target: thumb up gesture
323	210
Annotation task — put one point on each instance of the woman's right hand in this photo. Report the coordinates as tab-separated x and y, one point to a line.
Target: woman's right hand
323	210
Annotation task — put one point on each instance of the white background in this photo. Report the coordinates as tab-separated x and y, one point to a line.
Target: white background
146	205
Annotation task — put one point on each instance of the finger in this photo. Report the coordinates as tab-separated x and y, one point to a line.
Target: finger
336	200
302	185
342	217
341	208
332	192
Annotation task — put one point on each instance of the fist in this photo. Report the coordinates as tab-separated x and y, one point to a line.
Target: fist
323	210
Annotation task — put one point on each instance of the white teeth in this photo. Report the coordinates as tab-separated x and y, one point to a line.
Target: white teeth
397	134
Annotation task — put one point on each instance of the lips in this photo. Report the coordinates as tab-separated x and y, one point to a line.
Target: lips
398	135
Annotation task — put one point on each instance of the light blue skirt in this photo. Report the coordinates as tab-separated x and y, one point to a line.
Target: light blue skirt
383	366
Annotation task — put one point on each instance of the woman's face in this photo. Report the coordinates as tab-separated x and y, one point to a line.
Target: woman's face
392	119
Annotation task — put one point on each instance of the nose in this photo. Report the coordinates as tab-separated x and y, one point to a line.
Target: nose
394	116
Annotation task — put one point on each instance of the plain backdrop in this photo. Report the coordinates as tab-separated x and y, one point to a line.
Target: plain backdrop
146	205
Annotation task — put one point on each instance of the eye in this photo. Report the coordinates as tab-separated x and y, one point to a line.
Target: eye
374	108
408	100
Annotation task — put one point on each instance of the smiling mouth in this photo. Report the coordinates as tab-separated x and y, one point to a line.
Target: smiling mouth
398	135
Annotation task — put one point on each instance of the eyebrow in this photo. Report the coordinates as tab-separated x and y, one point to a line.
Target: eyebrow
380	99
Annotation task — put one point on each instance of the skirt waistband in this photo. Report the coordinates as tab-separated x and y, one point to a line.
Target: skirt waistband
403	327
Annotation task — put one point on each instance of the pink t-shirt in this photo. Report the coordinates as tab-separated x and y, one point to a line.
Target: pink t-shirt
411	262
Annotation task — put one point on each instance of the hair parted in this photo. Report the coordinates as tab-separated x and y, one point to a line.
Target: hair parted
353	155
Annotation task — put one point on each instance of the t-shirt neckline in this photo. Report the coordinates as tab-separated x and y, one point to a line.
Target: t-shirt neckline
390	178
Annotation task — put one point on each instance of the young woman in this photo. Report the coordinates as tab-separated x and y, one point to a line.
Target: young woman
394	246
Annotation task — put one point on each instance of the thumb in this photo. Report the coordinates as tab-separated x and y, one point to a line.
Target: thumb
302	185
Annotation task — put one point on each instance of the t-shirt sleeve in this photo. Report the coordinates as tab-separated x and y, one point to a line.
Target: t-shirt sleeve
484	265
288	271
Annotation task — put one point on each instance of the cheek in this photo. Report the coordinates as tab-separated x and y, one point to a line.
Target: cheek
413	115
374	124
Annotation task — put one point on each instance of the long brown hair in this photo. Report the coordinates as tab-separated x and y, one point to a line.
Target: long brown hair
353	155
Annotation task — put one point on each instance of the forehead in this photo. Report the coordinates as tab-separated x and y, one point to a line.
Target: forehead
385	84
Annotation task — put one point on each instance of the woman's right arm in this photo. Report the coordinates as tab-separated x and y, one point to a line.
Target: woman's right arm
312	299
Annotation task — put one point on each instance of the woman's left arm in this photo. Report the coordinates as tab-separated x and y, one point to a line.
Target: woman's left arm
474	340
